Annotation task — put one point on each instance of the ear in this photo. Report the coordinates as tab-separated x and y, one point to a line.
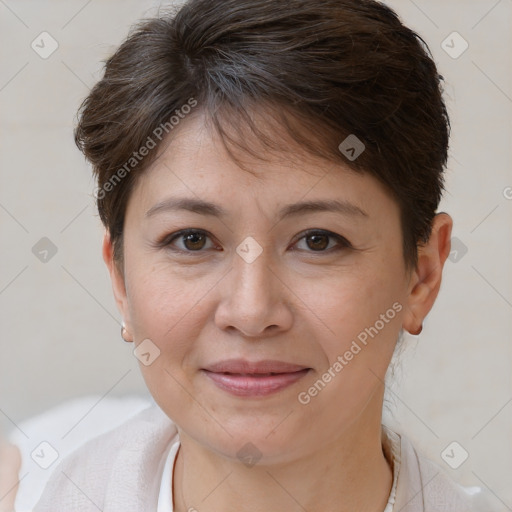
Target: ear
425	281
117	279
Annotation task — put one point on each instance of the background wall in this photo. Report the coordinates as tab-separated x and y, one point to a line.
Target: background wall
59	334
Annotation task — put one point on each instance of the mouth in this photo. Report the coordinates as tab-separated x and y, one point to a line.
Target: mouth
243	378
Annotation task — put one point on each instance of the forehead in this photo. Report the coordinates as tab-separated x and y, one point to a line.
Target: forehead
195	163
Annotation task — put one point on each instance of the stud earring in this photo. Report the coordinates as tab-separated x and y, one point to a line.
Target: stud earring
124	334
418	331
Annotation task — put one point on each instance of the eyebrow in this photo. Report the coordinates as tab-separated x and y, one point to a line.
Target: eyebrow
207	208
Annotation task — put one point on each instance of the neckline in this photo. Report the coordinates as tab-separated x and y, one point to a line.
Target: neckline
390	446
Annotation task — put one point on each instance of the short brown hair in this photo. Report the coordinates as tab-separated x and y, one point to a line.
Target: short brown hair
338	67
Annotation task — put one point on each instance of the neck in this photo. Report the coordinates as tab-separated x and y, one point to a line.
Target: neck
349	473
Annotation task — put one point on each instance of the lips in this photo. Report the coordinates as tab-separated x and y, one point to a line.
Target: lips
243	367
244	378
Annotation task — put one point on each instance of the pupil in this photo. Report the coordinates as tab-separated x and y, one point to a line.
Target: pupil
194	241
319	242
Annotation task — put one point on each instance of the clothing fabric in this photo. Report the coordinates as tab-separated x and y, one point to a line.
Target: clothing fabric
165	497
130	468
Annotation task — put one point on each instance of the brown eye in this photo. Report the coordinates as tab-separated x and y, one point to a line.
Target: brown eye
194	241
188	241
321	241
317	242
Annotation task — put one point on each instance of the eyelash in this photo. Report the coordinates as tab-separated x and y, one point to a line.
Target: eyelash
343	243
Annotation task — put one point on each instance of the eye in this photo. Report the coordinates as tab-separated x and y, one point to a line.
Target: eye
188	240
197	240
322	241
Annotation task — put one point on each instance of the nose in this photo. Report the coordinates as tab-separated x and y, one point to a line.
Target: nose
254	299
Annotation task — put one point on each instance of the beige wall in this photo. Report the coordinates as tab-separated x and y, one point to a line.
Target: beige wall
59	324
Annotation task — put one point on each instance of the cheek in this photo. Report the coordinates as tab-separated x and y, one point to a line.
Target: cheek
362	319
170	310
353	306
160	297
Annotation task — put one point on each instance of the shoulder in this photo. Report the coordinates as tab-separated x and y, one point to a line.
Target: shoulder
423	485
112	466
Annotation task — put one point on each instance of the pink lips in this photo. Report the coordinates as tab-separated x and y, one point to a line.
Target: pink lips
244	378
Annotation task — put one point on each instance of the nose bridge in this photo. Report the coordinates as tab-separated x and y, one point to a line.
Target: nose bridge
252	286
252	298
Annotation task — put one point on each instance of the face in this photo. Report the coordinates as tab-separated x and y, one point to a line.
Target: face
299	263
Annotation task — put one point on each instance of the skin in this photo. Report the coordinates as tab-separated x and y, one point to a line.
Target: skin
10	464
292	303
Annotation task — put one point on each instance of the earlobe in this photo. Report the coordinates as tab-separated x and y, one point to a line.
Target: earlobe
117	279
426	279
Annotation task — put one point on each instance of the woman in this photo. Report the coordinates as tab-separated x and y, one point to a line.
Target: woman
269	174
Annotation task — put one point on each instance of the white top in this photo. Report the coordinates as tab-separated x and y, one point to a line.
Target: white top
165	499
390	442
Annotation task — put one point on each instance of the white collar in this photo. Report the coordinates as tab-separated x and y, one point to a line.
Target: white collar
165	498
